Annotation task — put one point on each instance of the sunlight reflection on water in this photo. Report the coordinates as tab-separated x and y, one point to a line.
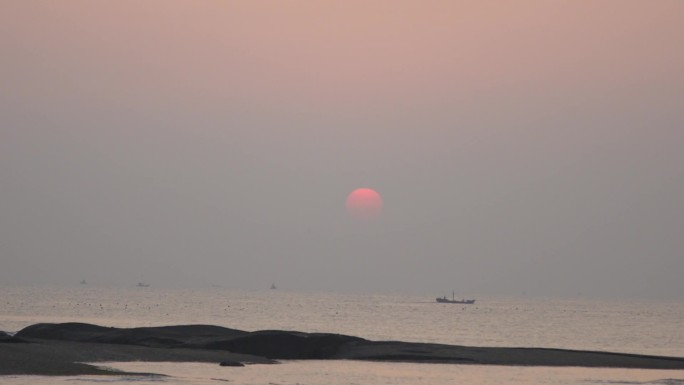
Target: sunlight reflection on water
356	372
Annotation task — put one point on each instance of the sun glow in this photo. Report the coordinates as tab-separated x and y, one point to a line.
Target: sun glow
364	204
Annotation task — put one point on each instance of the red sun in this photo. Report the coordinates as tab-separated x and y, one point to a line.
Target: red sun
364	203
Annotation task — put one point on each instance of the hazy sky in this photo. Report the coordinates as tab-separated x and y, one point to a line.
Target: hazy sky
520	147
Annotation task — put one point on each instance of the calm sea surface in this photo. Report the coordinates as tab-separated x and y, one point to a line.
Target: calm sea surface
645	327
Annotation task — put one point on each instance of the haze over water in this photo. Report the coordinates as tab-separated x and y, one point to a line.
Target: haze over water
522	150
519	147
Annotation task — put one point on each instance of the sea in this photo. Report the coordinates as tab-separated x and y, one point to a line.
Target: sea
630	326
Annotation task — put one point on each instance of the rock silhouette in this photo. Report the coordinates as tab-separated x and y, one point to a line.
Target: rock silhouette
59	349
6	338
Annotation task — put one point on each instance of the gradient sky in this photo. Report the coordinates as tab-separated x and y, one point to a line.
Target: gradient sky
521	148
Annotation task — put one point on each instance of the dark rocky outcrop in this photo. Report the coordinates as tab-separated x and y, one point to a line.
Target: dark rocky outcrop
285	345
269	343
6	338
438	353
58	357
231	363
72	331
76	342
161	336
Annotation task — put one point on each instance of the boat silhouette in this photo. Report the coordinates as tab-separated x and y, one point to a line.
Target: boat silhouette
454	300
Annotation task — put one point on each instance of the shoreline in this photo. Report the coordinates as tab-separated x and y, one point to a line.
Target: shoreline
66	358
64	349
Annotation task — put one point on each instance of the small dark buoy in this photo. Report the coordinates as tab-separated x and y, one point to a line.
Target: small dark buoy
231	363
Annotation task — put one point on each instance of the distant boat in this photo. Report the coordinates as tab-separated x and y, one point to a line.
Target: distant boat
83	282
454	300
140	284
273	286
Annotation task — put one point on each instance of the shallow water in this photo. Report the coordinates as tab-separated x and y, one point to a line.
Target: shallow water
644	327
356	372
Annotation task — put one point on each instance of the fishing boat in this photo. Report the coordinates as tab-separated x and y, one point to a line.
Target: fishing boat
454	300
141	284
